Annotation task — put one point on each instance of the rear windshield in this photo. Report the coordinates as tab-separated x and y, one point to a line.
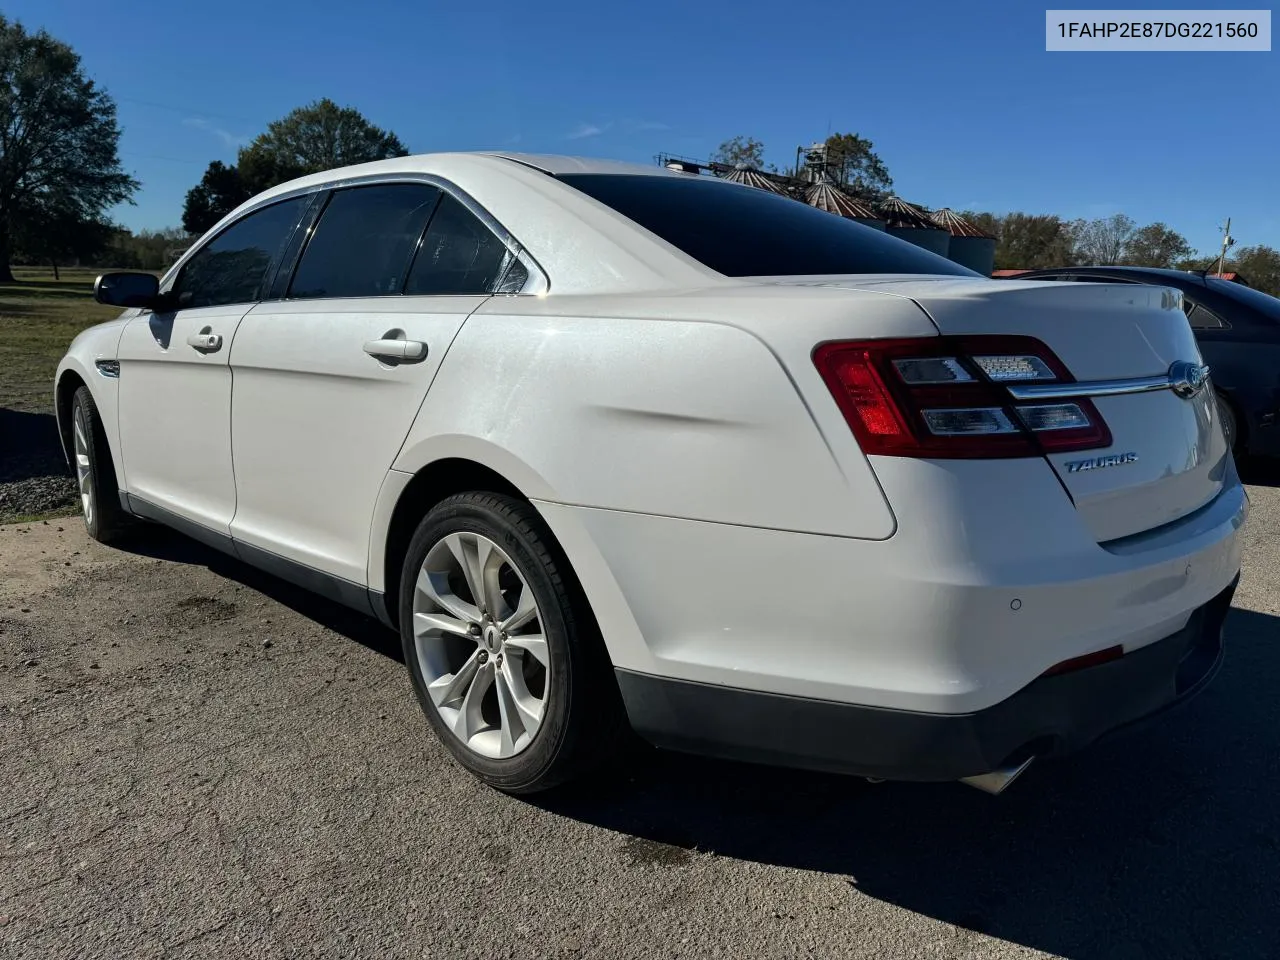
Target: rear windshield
748	232
1265	304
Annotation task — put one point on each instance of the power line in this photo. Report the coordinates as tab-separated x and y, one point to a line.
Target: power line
189	111
153	156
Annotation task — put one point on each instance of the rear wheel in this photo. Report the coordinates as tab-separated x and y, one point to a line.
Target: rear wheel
100	506
504	657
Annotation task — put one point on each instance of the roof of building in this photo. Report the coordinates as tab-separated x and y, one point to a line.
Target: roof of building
825	195
957	225
752	178
896	212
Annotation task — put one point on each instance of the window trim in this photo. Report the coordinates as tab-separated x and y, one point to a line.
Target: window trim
536	284
170	278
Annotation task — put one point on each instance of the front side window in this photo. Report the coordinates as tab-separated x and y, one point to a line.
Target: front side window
459	255
745	232
232	266
363	241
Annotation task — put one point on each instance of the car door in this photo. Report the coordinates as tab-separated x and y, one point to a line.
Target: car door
328	379
175	381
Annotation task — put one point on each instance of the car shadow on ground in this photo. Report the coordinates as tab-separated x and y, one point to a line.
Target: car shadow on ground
29	446
161	543
1164	842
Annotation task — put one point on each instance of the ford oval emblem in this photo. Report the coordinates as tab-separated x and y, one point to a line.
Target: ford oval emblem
1186	379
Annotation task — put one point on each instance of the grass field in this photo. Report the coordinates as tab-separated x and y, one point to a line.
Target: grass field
38	318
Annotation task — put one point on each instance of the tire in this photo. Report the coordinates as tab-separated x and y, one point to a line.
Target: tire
1229	427
521	717
104	518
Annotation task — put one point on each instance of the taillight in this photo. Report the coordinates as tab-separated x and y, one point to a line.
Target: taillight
942	397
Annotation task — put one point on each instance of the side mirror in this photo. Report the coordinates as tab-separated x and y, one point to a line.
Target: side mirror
127	289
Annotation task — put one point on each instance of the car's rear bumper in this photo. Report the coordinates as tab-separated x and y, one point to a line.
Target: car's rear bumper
1052	715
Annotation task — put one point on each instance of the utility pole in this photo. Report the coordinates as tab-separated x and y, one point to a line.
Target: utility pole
1227	241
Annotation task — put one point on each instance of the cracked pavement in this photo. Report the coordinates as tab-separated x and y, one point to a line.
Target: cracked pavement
199	760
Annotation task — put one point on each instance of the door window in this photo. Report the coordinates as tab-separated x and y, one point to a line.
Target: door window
460	255
232	266
364	241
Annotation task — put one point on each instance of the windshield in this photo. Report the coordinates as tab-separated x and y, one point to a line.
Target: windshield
748	232
1265	304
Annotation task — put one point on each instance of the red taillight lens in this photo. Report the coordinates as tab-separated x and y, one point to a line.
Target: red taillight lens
942	397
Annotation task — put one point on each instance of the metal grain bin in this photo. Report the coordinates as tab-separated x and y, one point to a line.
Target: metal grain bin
969	247
752	178
909	222
825	195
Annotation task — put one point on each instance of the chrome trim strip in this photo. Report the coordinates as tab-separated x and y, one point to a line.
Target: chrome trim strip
1091	388
1186	379
537	283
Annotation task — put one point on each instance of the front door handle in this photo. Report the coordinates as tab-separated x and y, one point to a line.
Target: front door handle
400	351
205	341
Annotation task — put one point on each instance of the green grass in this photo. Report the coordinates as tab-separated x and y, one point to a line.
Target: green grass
58	513
38	318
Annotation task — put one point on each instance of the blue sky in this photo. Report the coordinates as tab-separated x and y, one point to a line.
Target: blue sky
962	103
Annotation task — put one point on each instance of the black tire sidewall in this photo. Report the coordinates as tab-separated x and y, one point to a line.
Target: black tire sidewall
514	526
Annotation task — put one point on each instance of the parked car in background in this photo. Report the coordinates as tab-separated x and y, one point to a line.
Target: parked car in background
613	445
1238	330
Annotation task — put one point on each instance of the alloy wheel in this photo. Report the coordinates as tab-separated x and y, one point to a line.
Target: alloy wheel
480	646
84	475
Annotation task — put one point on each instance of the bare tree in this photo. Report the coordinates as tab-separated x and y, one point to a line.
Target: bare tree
1102	242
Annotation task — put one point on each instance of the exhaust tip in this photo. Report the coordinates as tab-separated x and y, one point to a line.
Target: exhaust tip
997	781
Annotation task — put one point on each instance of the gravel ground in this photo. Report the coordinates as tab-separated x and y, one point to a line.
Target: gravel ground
201	761
33	474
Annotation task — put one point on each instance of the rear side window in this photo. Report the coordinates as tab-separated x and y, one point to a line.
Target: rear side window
363	241
459	255
1200	316
231	267
746	232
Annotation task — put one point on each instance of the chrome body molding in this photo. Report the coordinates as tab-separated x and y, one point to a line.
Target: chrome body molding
1184	378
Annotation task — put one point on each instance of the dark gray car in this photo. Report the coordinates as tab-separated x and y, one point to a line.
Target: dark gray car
1238	330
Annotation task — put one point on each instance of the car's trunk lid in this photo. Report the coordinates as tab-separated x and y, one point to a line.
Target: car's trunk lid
1168	456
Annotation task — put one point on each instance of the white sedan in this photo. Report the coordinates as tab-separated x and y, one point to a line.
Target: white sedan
611	445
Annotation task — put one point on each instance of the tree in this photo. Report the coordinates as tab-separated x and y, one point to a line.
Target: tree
58	139
1156	245
988	223
1260	265
59	236
1032	242
852	161
219	191
744	151
319	136
1102	242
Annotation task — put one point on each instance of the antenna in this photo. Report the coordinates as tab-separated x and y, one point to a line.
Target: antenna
1227	241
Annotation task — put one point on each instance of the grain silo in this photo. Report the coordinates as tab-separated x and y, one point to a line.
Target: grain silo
908	222
752	178
969	246
825	195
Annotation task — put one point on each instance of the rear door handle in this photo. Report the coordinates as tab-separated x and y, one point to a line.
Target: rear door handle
401	351
206	342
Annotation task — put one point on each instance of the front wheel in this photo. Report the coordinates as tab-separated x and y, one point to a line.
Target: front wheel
504	657
104	518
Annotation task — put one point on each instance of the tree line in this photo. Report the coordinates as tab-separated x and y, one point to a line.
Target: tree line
60	173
